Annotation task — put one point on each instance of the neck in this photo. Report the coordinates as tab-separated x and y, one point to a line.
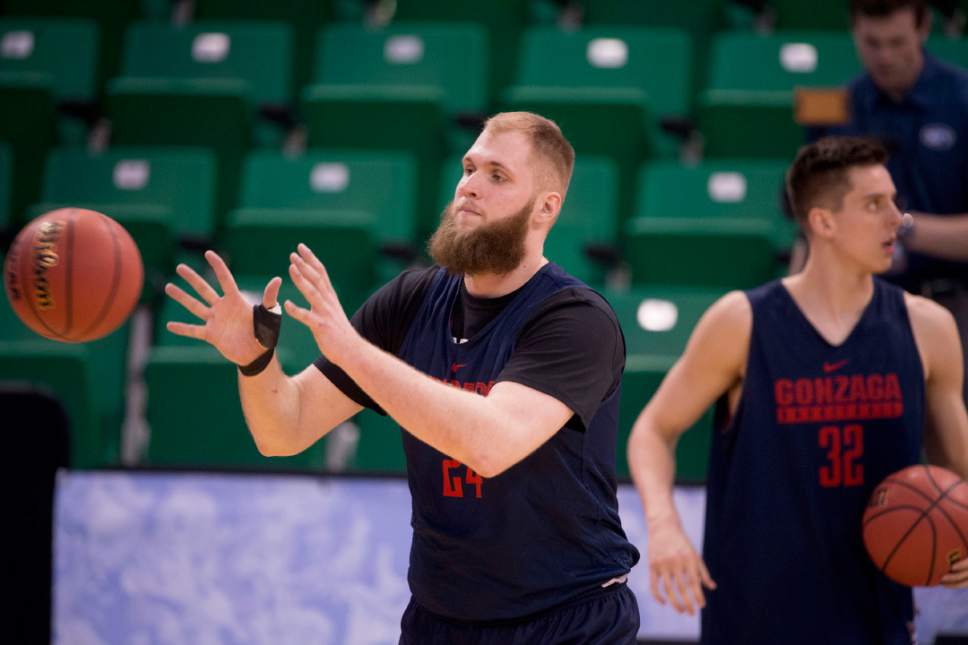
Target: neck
897	94
493	285
829	288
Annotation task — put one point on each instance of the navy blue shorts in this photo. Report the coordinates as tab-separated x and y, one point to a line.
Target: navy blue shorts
607	618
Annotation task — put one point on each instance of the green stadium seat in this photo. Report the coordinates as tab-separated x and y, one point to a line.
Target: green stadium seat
111	17
180	180
62	51
88	378
160	195
953	51
643	374
28	116
304	18
201	85
747	108
699	18
398	88
658	322
43	63
607	89
6	187
741	188
214	435
257	243
502	19
382	184
706	252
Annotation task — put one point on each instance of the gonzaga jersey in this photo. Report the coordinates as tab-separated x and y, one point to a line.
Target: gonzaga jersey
545	531
816	429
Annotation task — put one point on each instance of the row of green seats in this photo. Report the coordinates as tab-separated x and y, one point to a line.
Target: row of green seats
725	212
721	211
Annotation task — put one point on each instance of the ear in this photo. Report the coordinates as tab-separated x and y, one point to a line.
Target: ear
547	207
821	222
925	29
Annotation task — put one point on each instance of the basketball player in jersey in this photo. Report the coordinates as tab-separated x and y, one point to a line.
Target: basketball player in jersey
828	381
504	372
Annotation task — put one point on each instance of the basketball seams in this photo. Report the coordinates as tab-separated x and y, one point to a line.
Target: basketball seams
951	500
924	513
887	511
900	542
69	273
910	487
115	278
927	471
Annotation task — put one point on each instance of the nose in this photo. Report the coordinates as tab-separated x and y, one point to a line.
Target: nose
469	186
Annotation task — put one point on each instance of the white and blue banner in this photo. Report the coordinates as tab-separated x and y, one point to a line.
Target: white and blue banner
144	558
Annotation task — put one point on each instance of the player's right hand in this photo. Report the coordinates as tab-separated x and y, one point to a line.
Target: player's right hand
227	318
677	573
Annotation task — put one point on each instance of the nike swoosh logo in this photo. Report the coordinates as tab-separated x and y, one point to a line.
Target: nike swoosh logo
833	367
456	366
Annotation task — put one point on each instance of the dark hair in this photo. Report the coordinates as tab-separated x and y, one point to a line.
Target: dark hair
818	175
884	8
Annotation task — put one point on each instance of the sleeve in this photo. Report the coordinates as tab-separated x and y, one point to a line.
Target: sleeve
571	349
383	320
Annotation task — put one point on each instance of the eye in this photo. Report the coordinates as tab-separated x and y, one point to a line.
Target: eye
468	170
873	206
497	177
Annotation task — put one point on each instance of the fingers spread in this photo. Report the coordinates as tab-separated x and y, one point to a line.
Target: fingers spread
201	287
306	253
222	273
184	329
178	294
270	297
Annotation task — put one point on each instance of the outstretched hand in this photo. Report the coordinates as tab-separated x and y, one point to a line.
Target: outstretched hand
677	573
325	317
227	319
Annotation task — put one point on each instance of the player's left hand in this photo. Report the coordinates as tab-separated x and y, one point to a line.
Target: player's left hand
325	318
957	578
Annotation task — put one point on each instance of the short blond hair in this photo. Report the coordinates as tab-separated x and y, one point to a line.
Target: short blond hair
547	142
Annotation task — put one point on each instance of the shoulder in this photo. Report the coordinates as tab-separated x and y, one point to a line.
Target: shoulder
935	331
928	317
578	308
733	313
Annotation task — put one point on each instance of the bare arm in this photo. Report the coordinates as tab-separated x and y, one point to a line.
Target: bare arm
489	434
946	436
941	236
286	414
712	363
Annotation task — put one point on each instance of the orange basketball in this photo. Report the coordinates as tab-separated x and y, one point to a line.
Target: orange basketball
916	524
73	275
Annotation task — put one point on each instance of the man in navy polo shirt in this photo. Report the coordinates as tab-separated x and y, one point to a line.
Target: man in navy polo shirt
918	107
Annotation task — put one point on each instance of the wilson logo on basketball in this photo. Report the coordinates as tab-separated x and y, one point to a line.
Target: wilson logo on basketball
838	398
953	556
13	278
45	257
879	498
